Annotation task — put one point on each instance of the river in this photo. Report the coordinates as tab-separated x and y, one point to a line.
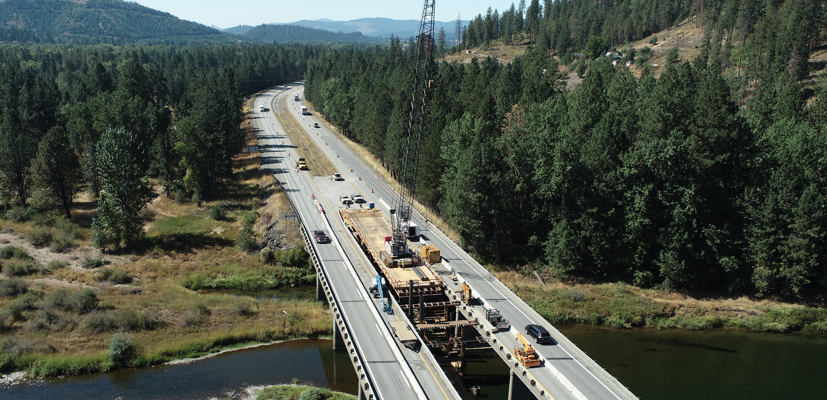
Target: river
717	364
654	364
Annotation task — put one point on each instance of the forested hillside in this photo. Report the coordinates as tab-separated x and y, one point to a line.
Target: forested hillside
659	182
300	34
94	21
752	39
101	118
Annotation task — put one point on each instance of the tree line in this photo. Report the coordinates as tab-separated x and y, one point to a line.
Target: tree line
658	182
103	119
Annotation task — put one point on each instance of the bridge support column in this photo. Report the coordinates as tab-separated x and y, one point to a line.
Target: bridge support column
319	289
338	341
517	390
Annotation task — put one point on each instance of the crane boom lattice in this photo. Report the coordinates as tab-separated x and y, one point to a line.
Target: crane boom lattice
422	83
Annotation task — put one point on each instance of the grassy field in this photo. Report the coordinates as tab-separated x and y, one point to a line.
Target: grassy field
624	306
66	308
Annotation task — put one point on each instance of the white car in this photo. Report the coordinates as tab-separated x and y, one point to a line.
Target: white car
358	199
345	200
337	177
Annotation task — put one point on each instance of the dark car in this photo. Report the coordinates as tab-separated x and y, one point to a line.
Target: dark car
321	237
316	125
539	334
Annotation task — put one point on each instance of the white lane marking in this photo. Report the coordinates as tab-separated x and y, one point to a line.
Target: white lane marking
384	204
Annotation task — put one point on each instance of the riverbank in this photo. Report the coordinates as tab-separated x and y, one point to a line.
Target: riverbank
625	306
68	309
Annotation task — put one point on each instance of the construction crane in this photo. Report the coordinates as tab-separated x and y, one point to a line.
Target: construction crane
422	84
527	355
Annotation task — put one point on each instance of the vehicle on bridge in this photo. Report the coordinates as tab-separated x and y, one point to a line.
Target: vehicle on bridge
321	237
495	318
346	200
358	198
539	334
316	125
304	111
527	355
337	177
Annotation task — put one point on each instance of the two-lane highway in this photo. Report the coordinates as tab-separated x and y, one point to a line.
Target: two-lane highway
562	359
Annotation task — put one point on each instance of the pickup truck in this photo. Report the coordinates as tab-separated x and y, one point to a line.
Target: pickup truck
345	200
337	177
358	199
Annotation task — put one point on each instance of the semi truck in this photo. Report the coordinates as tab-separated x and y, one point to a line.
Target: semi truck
304	111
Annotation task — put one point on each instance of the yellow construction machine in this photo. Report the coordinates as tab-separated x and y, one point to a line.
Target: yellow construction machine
527	355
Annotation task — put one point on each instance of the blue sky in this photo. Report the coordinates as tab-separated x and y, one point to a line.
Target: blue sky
229	13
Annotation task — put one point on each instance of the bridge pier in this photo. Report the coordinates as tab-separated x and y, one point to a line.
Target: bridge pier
517	390
320	294
338	340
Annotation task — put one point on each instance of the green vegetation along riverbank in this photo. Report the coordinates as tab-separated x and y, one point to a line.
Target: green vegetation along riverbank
300	392
624	306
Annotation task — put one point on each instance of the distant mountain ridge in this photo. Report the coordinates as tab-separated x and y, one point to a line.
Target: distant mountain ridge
379	27
102	20
300	34
369	27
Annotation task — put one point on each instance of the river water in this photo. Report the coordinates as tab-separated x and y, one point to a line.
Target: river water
717	364
654	364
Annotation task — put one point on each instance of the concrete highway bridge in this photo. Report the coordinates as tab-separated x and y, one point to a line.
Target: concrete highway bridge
387	369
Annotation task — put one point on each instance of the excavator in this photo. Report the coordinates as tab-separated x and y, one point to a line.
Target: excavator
527	355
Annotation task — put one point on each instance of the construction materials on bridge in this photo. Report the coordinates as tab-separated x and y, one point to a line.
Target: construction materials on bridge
431	254
405	334
527	355
409	276
495	318
466	293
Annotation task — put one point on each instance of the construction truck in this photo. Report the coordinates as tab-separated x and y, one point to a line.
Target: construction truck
495	318
527	355
466	293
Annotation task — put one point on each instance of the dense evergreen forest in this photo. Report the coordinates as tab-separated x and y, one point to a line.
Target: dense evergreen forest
102	118
658	182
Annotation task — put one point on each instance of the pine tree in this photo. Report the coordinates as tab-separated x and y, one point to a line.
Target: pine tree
57	168
17	148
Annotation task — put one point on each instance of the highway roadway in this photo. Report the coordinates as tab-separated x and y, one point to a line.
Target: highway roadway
589	379
394	371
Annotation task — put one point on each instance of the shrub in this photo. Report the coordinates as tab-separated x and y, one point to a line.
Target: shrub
196	198
58	299
130	320
13	252
295	257
120	349
61	242
572	294
245	240
241	308
180	197
57	264
13	287
83	301
17	347
90	262
41	321
40	236
21	268
147	214
218	212
116	276
312	394
266	255
100	321
196	314
654	40
249	217
621	288
19	214
16	307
